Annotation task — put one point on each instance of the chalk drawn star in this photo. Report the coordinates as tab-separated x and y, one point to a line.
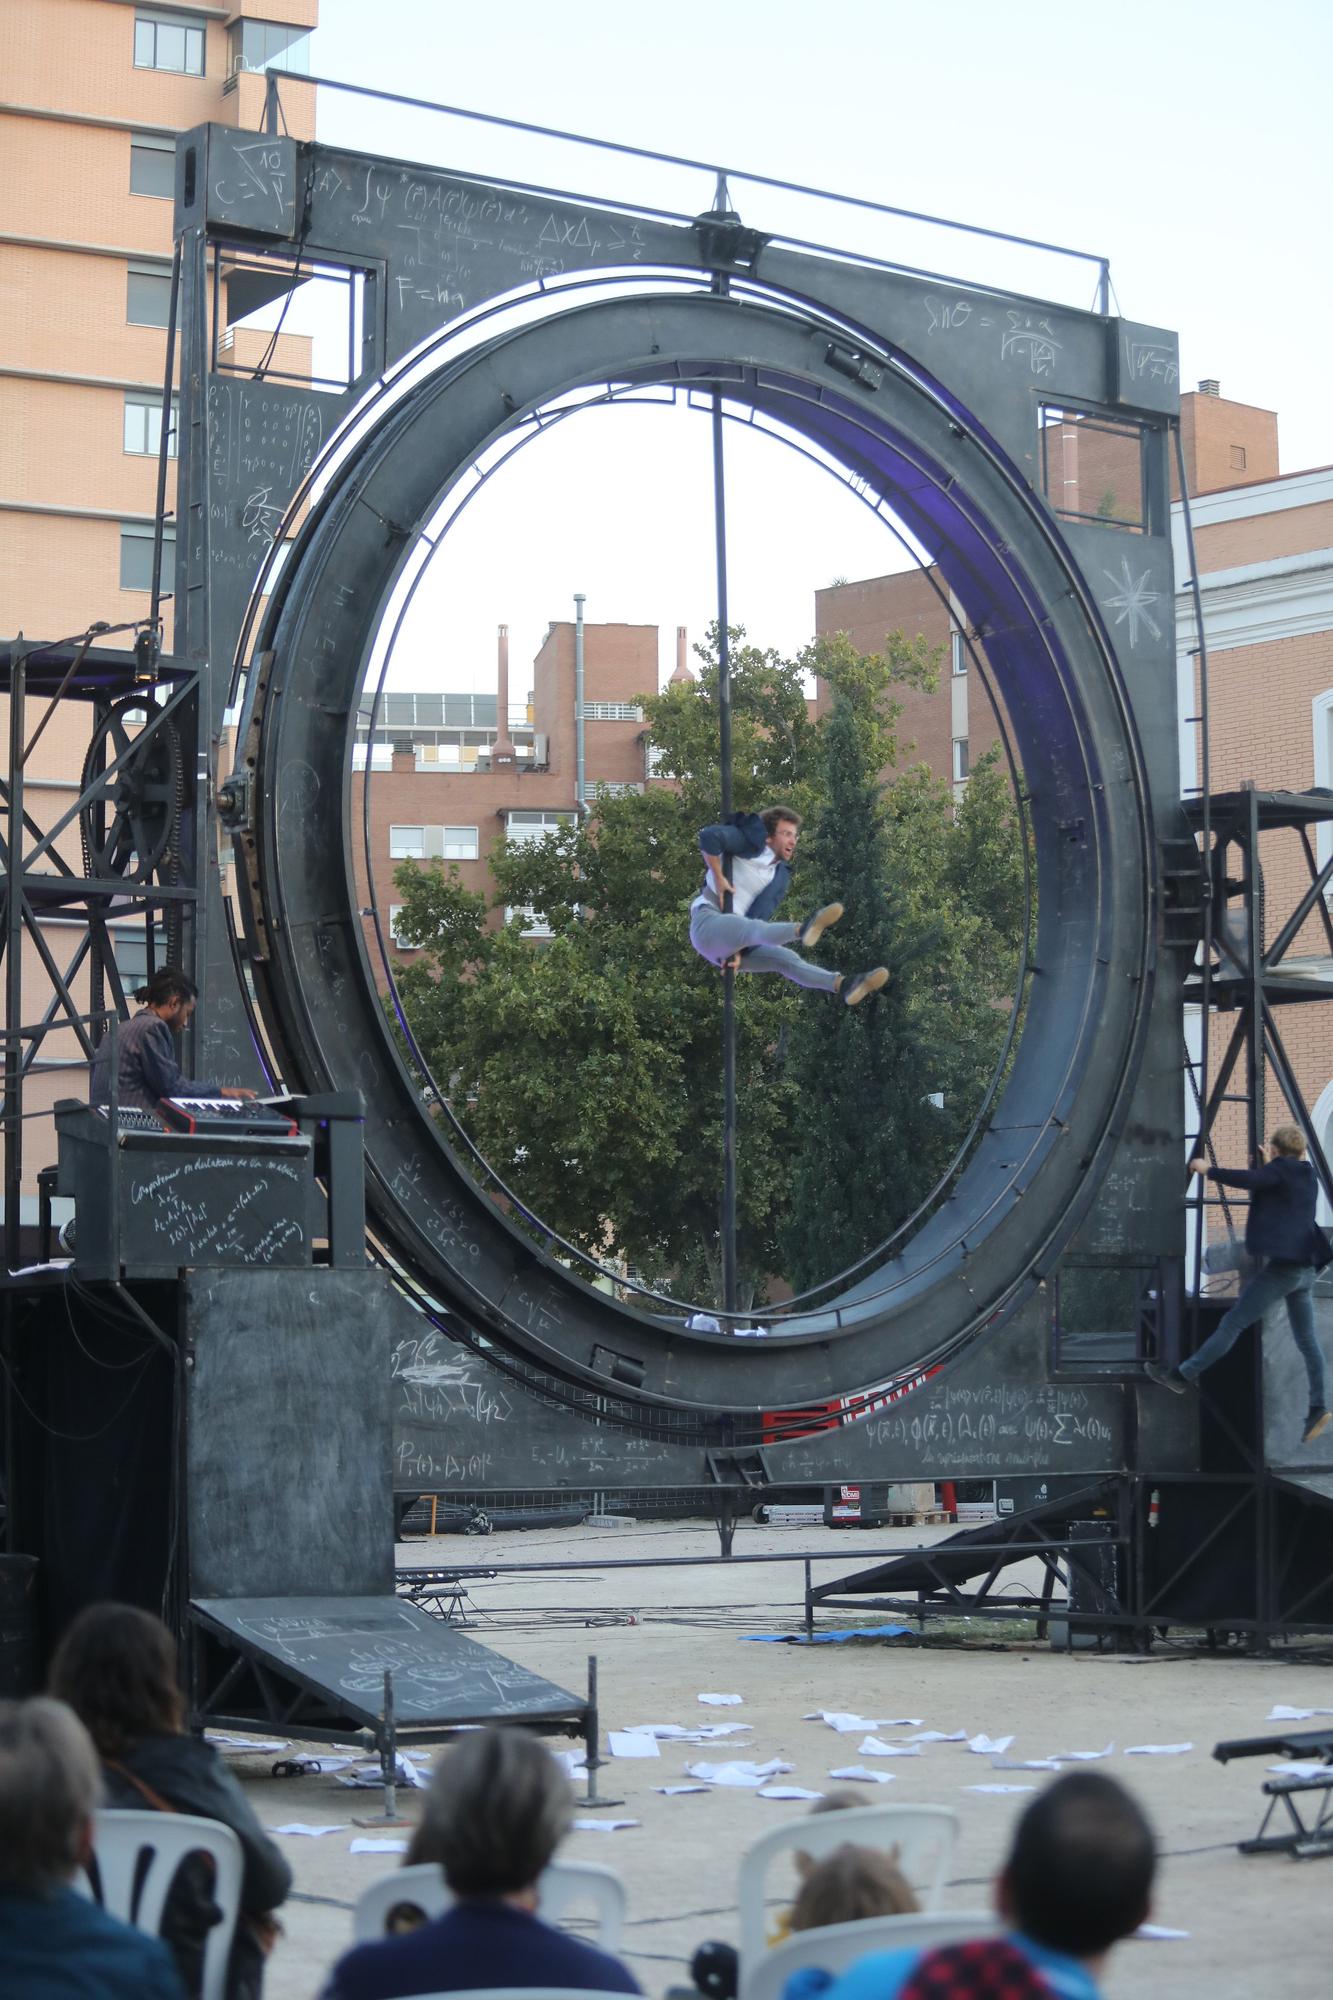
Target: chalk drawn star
1131	600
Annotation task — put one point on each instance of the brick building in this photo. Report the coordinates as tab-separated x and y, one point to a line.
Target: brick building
94	92
444	784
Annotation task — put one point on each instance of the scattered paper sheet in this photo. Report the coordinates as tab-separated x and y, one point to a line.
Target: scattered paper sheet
937	1736
1301	1767
369	1777
848	1724
1281	1713
1082	1756
989	1746
871	1746
999	1788
311	1832
248	1745
571	1761
1158	1749
1157	1933
602	1825
677	1791
864	1776
632	1743
704	1732
786	1792
378	1847
742	1774
722	1700
1025	1763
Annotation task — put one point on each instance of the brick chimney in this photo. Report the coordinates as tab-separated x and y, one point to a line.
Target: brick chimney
504	757
682	672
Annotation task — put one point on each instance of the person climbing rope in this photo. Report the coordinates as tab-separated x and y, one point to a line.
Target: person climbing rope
760	848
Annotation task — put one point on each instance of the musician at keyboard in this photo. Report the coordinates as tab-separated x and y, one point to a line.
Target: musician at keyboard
146	1049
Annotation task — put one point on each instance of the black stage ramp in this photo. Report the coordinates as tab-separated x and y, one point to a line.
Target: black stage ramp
315	1667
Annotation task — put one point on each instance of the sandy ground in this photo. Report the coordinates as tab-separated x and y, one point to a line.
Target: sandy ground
1253	1920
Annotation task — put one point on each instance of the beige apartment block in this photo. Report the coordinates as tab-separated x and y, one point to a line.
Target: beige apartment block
92	95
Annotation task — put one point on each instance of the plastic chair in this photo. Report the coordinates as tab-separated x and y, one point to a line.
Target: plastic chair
925	1837
562	1887
837	1946
124	1843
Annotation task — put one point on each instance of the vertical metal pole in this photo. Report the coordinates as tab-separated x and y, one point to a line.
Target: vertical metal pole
728	1222
14	900
591	1733
389	1751
580	740
1256	1112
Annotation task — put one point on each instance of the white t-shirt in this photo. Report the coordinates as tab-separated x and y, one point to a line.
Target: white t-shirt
748	875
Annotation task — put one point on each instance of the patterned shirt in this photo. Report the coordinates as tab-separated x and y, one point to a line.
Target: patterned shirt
146	1066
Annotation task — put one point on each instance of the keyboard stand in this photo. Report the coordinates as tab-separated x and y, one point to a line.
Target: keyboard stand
1304	1841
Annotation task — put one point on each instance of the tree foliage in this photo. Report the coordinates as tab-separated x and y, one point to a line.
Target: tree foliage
587	1069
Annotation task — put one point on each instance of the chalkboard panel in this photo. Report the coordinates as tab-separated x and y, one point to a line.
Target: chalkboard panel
341	1646
287	1432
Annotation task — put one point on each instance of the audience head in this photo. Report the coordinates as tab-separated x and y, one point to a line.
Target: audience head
116	1667
49	1788
849	1885
1080	1870
497	1809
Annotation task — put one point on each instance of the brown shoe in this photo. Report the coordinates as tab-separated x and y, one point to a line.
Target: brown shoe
1316	1424
864	984
813	929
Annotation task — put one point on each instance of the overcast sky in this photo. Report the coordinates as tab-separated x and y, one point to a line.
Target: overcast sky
1189	142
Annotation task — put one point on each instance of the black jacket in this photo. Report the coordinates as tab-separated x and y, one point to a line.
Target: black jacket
1281	1224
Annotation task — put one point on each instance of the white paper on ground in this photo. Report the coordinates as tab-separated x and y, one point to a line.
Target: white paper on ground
1281	1713
1082	1756
676	1791
378	1847
370	1778
1157	1933
786	1792
999	1788
864	1776
602	1825
722	1700
743	1774
1025	1763
871	1746
312	1832
989	1746
1297	1767
846	1723
571	1760
632	1743
252	1744
937	1736
1158	1749
703	1732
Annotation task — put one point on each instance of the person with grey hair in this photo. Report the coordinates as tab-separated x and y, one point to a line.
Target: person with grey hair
497	1809
54	1943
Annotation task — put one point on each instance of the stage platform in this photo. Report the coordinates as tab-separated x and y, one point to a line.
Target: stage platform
314	1667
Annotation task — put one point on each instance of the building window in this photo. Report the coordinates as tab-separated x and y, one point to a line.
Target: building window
395	917
424	843
533	825
960	763
136	555
1238	458
615	790
152	165
378	756
612	711
269	45
171	41
531	922
957	652
143	424
148	297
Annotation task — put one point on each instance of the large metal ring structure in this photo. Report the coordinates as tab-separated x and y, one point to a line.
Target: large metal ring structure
1039	1161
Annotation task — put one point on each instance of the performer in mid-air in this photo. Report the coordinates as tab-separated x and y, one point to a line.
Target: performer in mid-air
146	1065
756	874
1281	1233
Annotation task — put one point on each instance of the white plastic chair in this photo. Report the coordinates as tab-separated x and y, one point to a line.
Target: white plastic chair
837	1946
121	1839
925	1837
562	1887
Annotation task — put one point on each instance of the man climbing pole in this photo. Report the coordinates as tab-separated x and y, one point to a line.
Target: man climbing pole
760	848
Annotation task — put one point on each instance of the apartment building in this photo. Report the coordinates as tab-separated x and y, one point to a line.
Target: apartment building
92	95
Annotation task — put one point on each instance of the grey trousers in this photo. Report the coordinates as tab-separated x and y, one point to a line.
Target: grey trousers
717	938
